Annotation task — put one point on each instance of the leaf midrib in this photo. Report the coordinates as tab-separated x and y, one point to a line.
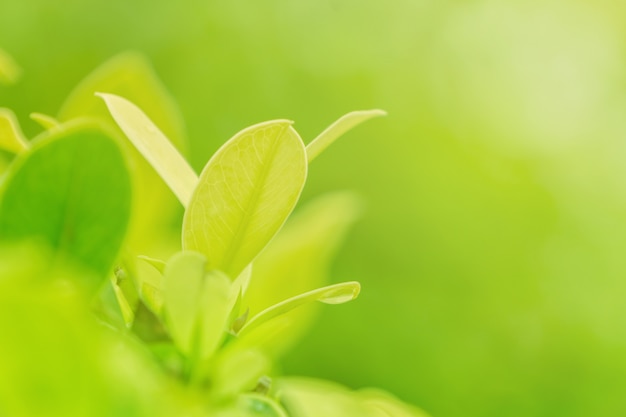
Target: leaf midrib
244	224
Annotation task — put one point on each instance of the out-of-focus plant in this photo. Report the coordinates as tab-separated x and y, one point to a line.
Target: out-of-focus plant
207	325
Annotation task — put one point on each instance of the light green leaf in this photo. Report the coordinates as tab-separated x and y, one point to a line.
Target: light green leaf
305	397
337	129
157	264
195	304
11	137
246	192
332	294
152	298
386	405
154	146
256	405
131	76
237	371
72	191
297	260
44	120
9	70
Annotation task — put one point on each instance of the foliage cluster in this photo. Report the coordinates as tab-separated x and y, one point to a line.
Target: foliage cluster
95	323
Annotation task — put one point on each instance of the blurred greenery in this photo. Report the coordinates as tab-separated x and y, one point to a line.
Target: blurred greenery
491	246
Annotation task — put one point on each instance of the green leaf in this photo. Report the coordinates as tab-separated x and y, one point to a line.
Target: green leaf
11	137
337	129
130	75
298	260
72	191
157	264
246	192
9	70
386	405
154	146
196	304
332	294
256	405
237	371
305	397
45	121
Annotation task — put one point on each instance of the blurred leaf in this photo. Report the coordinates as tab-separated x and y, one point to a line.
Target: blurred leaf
158	264
72	190
196	304
154	146
236	371
9	70
337	129
255	405
305	397
387	405
130	75
246	192
45	121
332	294
11	137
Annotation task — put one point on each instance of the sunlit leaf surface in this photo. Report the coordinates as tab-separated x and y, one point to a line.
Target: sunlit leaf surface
154	146
246	192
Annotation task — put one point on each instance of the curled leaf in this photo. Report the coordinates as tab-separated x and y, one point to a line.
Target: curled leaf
337	129
332	294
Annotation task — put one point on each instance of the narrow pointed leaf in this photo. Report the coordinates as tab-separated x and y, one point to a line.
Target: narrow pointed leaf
246	192
71	191
337	129
11	137
256	405
9	70
154	146
332	294
44	120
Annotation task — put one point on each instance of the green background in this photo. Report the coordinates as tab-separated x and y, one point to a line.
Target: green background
492	247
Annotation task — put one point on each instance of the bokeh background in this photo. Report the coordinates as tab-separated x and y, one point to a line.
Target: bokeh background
492	248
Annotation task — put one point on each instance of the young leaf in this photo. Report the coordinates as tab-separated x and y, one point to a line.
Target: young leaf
11	137
9	71
154	146
337	129
45	121
246	192
72	191
297	260
332	294
157	264
196	304
385	405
